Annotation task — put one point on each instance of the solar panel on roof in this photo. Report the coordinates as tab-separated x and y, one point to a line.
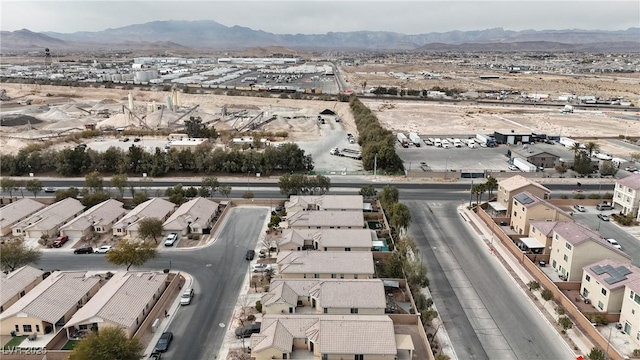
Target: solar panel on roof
598	270
524	199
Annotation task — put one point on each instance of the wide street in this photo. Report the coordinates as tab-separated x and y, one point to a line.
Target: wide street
218	272
482	309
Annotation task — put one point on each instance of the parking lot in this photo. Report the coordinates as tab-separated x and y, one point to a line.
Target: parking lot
326	84
149	144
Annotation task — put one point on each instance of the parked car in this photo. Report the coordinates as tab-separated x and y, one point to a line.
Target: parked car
603	217
631	169
250	254
103	249
83	250
186	297
604	206
125	139
171	239
163	343
261	267
136	139
155	356
513	167
49	189
614	243
579	208
61	240
246	331
279	208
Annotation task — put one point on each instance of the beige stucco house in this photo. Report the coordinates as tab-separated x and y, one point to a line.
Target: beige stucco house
16	212
514	185
604	282
50	304
99	219
327	296
527	207
192	217
325	220
626	195
542	231
156	208
324	203
326	239
48	221
124	301
575	246
325	265
630	313
330	337
17	284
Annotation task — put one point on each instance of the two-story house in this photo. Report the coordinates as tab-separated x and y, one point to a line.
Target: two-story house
626	195
326	239
325	264
630	313
326	296
514	185
576	246
527	207
604	282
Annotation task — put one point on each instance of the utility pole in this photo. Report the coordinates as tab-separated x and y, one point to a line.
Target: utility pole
375	167
471	194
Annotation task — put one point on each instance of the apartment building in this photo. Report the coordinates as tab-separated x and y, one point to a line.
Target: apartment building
604	282
527	207
514	185
626	195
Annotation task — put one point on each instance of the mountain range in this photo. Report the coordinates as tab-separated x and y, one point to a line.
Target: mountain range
209	34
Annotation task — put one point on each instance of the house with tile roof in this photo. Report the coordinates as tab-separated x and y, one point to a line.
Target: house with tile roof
50	304
124	301
526	207
325	220
326	337
17	284
192	217
326	296
325	264
626	195
514	185
99	219
542	232
604	282
156	208
298	203
48	221
575	246
16	212
326	239
630	312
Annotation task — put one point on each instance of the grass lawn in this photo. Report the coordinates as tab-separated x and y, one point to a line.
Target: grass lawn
70	344
15	341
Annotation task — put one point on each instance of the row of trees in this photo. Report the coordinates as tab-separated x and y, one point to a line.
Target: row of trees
204	159
376	142
488	186
298	184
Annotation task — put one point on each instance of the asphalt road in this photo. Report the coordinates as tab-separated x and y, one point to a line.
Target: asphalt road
487	316
218	272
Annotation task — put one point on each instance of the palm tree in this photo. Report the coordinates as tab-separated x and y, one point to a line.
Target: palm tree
592	147
478	190
491	184
576	149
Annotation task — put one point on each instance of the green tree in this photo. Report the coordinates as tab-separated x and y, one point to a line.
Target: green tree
608	169
533	285
400	216
131	253
15	254
582	164
196	129
491	185
368	192
592	147
416	273
90	200
150	228
224	190
211	183
441	356
34	186
119	181
108	344
596	354
547	294
94	182
388	196
391	267
561	168
575	149
71	192
139	198
478	190
176	194
8	185
565	322
248	195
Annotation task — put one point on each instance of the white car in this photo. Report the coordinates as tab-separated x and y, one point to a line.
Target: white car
186	297
261	267
614	243
171	239
513	167
103	249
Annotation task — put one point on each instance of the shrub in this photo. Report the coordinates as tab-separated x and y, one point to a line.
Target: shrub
560	310
564	196
607	196
594	196
547	294
533	285
259	306
636	352
565	322
579	196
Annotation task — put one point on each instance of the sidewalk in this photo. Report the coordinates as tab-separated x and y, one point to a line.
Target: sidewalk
574	338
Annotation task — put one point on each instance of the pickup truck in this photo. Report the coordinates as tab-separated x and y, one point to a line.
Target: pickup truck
246	331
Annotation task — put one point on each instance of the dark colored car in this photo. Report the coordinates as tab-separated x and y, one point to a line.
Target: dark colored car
136	139
83	250
163	343
246	331
155	356
61	240
279	208
250	254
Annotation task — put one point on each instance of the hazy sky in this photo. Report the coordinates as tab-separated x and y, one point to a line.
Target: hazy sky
313	17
